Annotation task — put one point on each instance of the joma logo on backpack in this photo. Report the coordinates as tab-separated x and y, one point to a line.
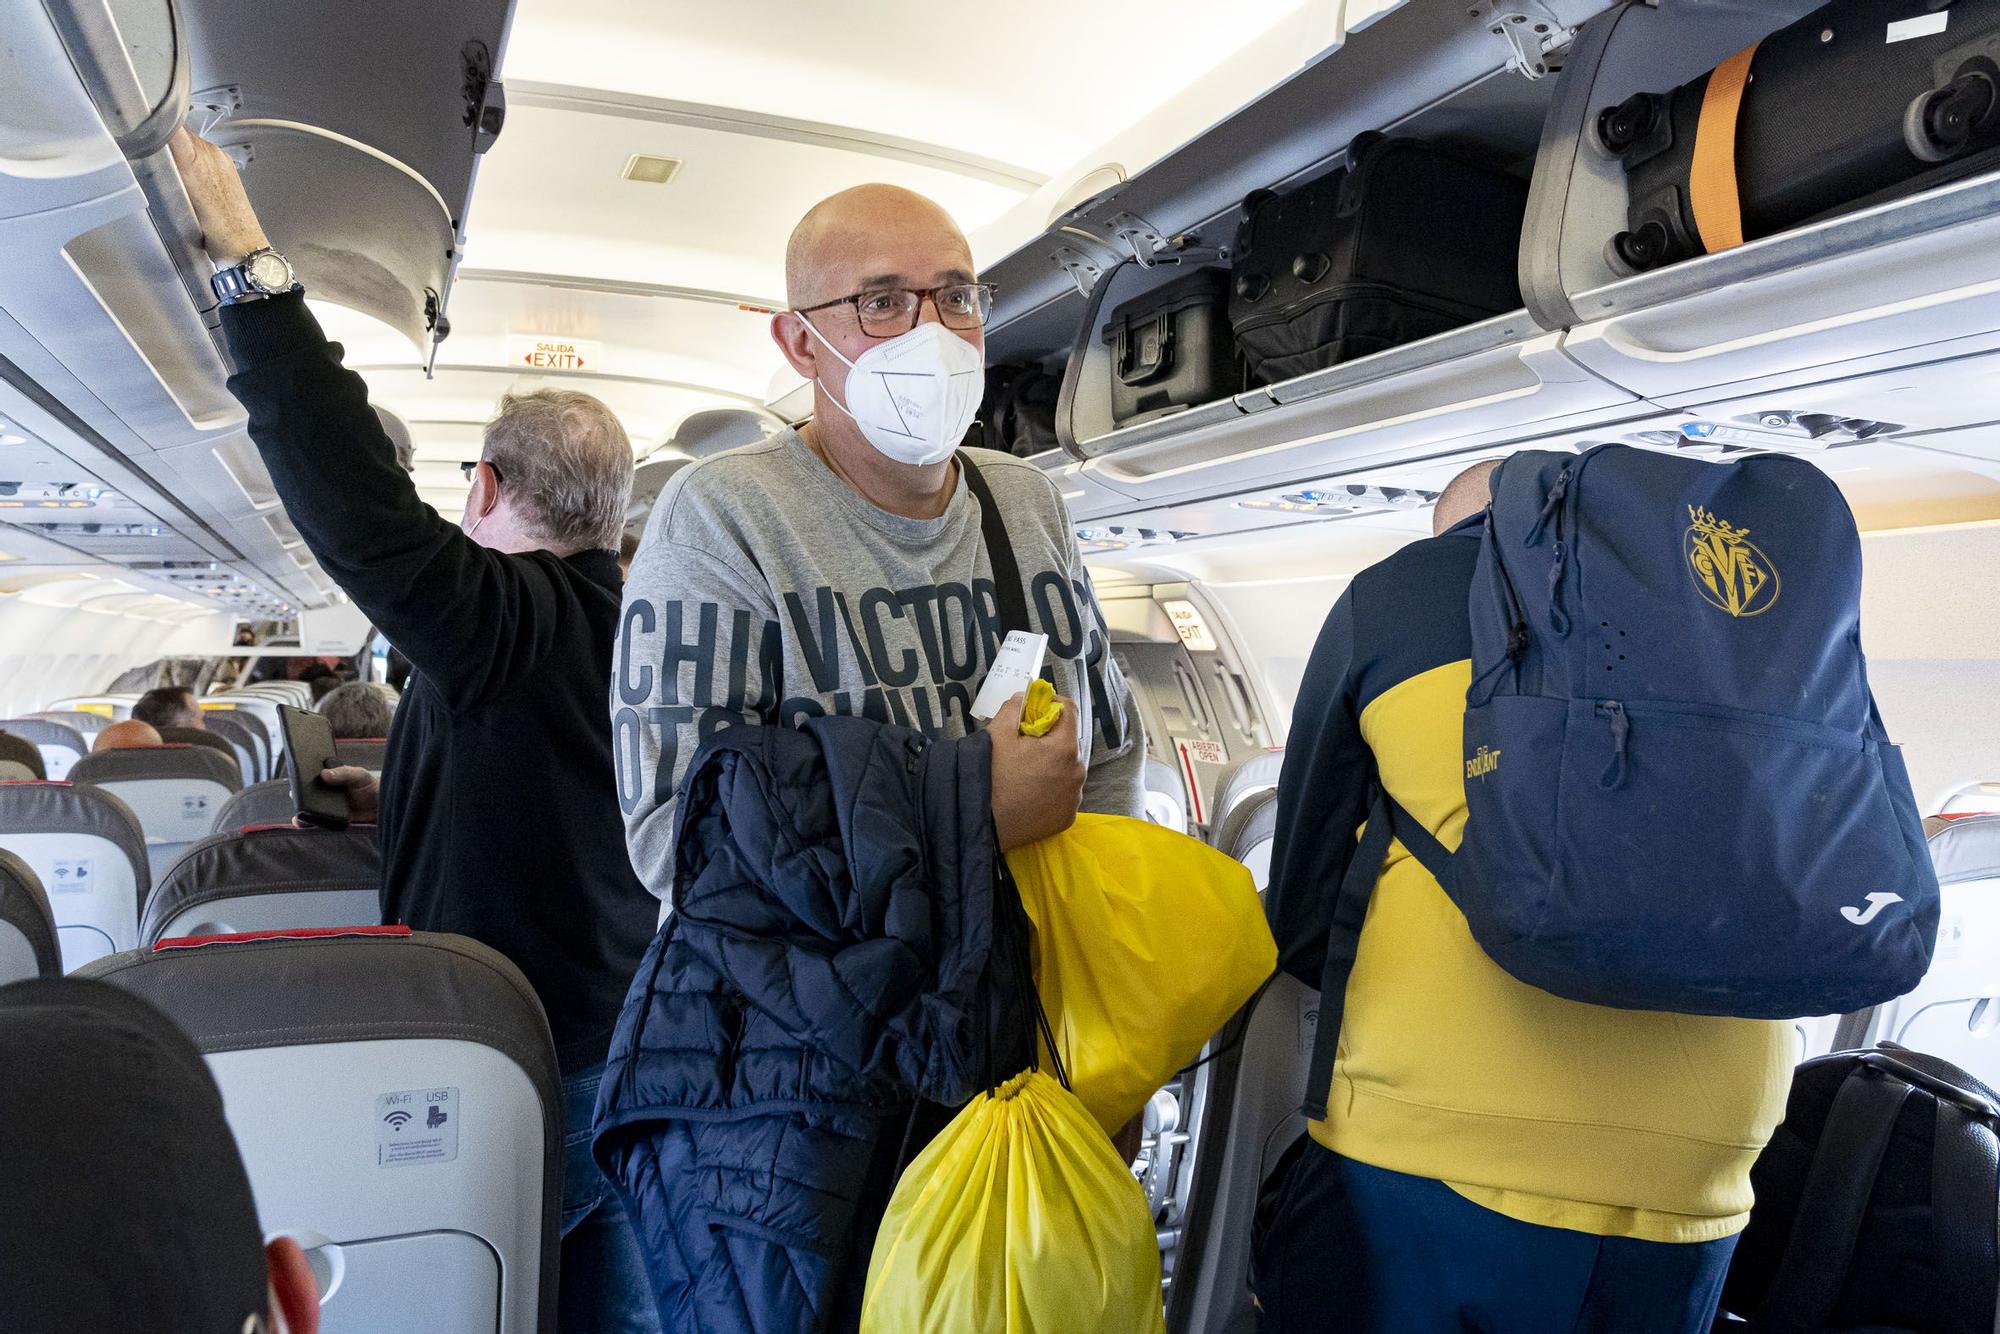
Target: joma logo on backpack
1482	763
1728	570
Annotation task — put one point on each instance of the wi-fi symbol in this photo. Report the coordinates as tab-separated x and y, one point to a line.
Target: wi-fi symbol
397	1119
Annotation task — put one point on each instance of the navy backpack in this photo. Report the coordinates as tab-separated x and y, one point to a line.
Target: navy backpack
1679	793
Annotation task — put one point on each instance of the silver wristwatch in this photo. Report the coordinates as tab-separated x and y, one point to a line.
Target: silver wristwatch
263	272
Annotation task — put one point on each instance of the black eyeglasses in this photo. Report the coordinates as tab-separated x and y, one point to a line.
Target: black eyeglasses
471	466
889	311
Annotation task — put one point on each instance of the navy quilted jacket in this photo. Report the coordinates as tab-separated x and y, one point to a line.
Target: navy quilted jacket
830	960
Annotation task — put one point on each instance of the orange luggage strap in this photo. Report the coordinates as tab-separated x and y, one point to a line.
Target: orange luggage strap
1718	208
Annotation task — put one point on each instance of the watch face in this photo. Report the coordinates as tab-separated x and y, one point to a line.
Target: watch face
269	272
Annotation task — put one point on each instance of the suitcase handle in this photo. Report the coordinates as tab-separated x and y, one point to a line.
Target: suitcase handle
1146	350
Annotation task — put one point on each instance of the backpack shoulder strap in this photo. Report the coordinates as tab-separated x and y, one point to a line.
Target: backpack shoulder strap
1965	1213
1386	819
1007	588
1820	1252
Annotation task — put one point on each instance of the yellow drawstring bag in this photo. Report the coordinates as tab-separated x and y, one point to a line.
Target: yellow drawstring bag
1017	1219
1146	941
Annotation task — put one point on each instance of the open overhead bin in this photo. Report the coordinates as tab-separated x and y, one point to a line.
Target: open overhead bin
1824	202
358	127
1460	93
106	317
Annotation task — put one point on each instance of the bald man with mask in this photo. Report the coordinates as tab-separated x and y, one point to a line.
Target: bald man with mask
840	569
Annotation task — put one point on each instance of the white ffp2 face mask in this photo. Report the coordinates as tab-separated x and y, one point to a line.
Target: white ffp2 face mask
913	396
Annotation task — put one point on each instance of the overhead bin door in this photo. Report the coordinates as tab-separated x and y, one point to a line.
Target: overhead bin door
1881	285
1497	381
359	122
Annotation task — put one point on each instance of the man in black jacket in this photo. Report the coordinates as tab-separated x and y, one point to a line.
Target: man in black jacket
498	816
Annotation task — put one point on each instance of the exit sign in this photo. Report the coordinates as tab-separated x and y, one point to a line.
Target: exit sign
535	353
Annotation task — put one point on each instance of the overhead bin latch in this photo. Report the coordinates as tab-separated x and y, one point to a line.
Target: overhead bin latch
1535	34
1085	255
485	97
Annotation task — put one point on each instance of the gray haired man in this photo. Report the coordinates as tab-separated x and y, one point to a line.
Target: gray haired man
499	819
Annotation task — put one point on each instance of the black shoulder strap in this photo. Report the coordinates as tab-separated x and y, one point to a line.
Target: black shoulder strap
1965	1214
1386	819
1820	1252
1007	589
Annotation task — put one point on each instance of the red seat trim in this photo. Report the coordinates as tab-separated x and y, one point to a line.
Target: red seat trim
300	933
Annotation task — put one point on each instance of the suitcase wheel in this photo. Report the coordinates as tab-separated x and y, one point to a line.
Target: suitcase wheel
1252	286
1942	124
1309	269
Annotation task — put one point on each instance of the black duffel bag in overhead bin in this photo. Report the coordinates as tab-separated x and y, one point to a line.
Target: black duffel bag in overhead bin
1171	349
1407	240
1018	414
1860	102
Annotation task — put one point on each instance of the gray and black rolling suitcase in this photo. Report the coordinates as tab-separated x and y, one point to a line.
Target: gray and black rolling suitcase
1858	103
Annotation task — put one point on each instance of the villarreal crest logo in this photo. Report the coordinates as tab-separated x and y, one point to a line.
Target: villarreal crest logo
1728	570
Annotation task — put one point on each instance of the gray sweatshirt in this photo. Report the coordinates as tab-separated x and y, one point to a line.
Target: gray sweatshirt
767	591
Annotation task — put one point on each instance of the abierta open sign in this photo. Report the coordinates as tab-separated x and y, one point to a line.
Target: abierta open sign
536	352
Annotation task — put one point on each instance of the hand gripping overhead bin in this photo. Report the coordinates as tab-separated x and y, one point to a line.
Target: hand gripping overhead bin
396	1100
358	124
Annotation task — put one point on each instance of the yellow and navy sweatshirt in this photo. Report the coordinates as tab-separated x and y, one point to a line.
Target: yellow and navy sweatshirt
1612	1122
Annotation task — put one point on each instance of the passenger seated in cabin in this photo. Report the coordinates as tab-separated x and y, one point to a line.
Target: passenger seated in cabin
15	750
497	811
355	710
1493	1157
170	706
127	735
322	680
842	570
126	1207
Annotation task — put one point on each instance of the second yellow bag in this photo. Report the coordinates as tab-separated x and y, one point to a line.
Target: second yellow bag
1017	1219
1146	941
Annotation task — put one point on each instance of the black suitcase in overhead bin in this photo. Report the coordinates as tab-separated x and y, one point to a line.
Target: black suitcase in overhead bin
1171	349
1858	103
1408	240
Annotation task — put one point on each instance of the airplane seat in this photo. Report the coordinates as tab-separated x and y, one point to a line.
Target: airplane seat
269	802
200	736
1166	796
28	943
20	758
174	790
368	752
88	851
112	708
1240	781
238	738
85	725
60	744
1257	1082
267	878
260	714
1249	833
1954	1013
396	1100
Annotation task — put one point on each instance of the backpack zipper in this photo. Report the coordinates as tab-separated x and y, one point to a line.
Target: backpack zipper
1613	776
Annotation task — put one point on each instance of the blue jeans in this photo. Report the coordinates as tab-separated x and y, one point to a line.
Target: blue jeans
1356	1248
604	1289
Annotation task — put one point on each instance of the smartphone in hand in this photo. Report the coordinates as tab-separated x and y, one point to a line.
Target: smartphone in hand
308	750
